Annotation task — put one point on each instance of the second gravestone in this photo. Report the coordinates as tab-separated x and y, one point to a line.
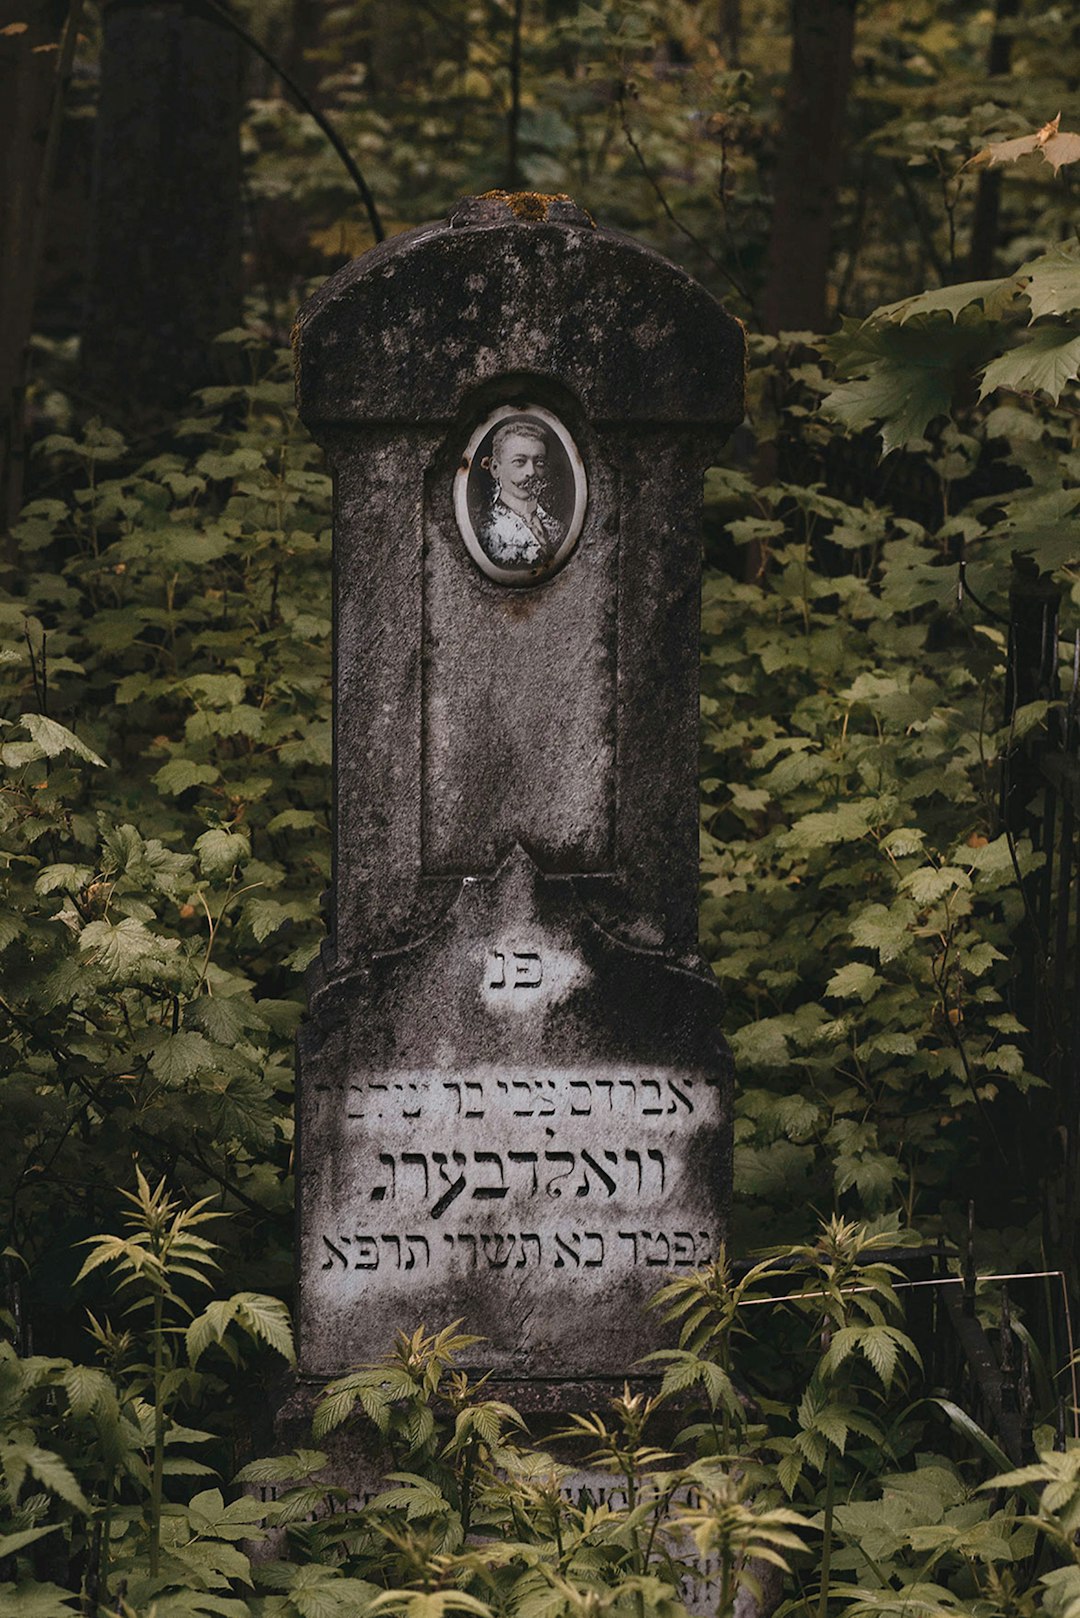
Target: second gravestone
514	1095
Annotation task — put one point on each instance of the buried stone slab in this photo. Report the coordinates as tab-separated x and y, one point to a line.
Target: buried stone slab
513	1093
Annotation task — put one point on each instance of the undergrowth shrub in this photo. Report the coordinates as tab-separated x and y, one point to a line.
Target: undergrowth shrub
164	827
785	1454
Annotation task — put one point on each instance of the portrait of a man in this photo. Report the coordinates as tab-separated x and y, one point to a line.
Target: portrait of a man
518	529
520	496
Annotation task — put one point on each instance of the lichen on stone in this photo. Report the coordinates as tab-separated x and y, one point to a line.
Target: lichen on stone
531	207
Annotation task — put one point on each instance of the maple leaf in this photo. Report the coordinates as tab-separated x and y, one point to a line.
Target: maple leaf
1062	148
1056	145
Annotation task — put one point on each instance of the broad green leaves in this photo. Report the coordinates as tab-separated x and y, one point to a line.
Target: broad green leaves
911	361
857	908
119	947
220	850
1045	362
182	606
54	739
905	374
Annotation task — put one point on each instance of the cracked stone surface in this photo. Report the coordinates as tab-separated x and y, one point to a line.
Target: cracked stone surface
514	1097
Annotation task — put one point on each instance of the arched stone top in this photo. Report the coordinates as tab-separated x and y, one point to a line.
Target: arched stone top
406	331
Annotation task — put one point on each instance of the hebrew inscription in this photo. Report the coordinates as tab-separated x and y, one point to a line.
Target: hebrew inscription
513	1173
517	1249
528	1163
550	1094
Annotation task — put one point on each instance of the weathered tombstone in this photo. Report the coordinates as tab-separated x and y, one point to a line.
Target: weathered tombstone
514	1095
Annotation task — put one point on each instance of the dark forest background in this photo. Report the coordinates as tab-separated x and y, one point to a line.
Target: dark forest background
885	194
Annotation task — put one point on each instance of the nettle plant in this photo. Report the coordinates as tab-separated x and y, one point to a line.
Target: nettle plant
785	1457
95	1461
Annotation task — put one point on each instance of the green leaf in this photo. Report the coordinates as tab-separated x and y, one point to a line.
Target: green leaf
1046	361
261	1317
216	690
55	1474
970	1429
88	1390
824	828
763	1044
318	1591
209	1327
885	929
224	1017
181	1056
1054	281
54	739
856	981
789	1472
294	820
181	773
10	1543
266	916
34	1600
952	299
910	373
209	1516
220	850
214	464
268	1319
64	879
301	1463
930	883
119	946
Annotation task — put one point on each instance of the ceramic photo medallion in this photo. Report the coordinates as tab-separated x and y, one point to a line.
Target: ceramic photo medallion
519	494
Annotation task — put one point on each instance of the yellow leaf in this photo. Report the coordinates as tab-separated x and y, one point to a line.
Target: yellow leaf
1061	149
1048	131
1004	151
1058	146
15	28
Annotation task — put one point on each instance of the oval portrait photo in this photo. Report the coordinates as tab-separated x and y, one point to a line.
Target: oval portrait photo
519	494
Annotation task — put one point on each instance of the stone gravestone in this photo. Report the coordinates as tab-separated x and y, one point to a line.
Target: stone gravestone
514	1095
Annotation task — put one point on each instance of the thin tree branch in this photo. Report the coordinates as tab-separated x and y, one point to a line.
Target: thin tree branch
226	17
631	141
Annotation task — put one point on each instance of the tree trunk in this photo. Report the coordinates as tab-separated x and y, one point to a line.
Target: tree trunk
304	39
396	45
165	262
809	165
984	222
730	32
27	85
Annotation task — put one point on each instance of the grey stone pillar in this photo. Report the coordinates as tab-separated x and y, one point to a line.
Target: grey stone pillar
514	1093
